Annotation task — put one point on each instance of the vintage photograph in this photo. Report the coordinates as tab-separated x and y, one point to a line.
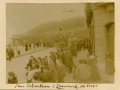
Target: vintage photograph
60	43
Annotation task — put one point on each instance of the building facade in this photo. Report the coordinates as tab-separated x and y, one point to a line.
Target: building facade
100	23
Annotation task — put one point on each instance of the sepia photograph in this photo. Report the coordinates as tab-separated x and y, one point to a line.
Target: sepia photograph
60	43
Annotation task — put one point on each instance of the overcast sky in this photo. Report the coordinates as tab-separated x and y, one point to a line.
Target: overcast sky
20	18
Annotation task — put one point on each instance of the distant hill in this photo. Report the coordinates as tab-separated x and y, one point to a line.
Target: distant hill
54	26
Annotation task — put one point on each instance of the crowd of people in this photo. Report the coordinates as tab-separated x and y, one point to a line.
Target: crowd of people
53	68
9	53
60	40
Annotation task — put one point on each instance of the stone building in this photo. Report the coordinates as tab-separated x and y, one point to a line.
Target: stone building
100	23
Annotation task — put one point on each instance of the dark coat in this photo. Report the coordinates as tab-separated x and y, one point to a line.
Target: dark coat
13	81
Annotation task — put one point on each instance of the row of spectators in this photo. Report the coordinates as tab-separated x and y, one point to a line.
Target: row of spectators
46	70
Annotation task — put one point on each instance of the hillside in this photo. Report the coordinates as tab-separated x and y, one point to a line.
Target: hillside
71	23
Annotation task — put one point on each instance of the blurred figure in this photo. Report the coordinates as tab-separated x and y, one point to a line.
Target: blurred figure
89	48
29	46
65	57
60	71
39	60
18	51
46	76
52	69
12	79
9	54
95	76
32	72
69	61
82	72
46	60
37	77
32	63
26	47
44	63
12	52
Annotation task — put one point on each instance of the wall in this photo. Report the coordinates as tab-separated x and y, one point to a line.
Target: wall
101	16
99	30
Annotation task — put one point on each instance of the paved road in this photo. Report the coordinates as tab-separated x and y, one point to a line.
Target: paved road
17	65
23	52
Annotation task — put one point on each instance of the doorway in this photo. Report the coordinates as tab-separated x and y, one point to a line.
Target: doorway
110	39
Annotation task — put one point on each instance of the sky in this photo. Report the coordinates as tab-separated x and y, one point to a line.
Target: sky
21	18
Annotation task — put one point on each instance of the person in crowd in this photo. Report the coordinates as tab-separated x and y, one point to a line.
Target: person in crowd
18	51
40	43
10	53
65	57
69	61
56	55
84	61
53	56
37	77
12	79
89	48
30	46
37	44
34	46
86	44
60	71
95	76
74	74
7	54
46	75
26	47
61	55
82	72
52	69
75	50
32	62
44	62
32	72
29	65
78	46
71	50
46	59
39	60
83	44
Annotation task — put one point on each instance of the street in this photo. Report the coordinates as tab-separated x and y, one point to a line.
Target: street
17	65
23	52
